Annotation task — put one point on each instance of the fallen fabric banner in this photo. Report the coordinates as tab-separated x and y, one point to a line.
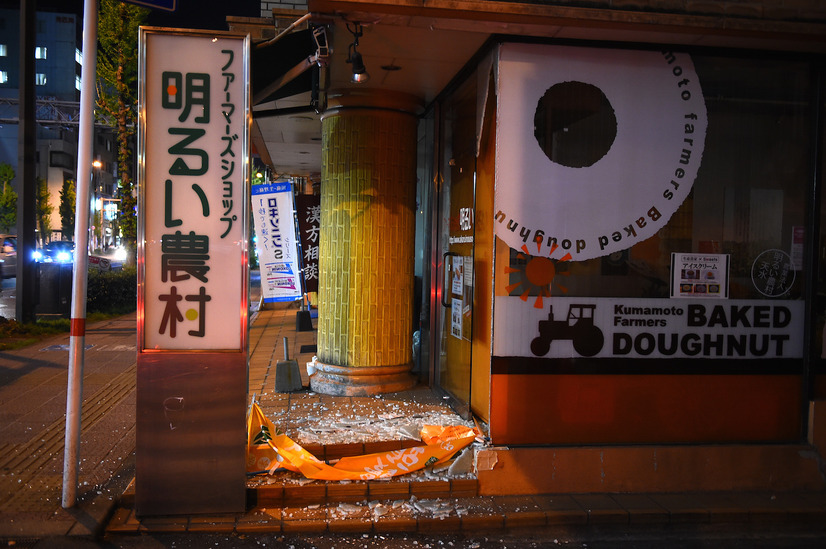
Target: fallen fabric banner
442	444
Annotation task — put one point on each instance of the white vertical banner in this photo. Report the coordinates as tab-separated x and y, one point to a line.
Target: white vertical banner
194	140
273	213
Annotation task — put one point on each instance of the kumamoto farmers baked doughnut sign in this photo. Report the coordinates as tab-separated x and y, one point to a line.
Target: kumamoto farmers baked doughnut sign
596	148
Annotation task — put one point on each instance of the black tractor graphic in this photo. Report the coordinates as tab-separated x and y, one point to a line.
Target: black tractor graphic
579	327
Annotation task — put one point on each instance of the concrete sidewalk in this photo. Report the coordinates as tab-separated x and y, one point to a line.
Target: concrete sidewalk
33	384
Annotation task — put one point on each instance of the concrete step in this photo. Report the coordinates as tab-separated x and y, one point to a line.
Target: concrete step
287	493
492	513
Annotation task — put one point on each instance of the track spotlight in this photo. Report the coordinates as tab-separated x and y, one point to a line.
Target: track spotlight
360	74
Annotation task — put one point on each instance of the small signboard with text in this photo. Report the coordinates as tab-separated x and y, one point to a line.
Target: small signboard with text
308	208
699	275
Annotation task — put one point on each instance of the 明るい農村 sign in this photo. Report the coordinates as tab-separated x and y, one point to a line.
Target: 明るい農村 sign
193	271
194	194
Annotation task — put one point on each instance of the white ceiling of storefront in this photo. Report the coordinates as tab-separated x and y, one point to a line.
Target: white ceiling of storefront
428	57
430	51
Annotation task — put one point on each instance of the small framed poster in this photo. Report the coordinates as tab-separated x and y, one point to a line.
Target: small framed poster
699	275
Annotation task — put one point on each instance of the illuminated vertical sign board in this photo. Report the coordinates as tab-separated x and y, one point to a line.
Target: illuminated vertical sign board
274	219
193	273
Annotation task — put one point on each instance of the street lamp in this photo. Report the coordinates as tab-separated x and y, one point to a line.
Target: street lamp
93	243
109	223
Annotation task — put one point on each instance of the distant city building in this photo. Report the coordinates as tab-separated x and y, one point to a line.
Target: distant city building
58	62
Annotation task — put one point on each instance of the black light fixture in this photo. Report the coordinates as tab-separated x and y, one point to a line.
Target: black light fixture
360	74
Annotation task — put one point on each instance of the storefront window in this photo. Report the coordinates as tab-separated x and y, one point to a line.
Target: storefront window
749	198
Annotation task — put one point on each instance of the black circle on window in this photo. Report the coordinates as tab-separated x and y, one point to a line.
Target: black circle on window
575	124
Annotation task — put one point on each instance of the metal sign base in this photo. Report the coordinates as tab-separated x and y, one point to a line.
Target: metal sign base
191	433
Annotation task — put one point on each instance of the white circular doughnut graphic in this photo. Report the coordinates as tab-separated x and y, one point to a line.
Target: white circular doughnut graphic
595	148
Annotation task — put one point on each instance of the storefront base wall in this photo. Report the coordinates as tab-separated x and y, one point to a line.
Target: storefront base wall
653	409
511	471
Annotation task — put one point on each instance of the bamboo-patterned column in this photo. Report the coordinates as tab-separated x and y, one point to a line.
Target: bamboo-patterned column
368	194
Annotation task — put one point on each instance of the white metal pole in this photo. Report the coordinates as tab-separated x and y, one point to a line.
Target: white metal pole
77	334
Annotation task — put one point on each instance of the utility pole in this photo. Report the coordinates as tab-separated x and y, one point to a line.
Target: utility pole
26	165
77	329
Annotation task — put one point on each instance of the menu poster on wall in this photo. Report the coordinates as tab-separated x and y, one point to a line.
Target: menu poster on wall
277	245
458	275
456	317
798	242
699	275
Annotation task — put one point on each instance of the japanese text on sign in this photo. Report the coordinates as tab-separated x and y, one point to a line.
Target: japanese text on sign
277	246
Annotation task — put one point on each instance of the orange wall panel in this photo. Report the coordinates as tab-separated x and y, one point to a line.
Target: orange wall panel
615	409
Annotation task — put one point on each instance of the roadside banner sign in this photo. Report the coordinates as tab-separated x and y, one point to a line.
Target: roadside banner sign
273	214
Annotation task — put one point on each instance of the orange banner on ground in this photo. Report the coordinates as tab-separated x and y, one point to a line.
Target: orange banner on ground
268	449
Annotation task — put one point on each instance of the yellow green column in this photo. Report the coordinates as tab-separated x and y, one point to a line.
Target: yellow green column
368	200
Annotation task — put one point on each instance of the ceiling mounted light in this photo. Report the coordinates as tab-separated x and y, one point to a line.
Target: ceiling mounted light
360	74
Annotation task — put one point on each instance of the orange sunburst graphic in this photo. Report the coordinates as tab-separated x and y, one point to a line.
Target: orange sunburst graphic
537	275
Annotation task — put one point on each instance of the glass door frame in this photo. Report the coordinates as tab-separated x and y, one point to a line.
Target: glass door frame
439	318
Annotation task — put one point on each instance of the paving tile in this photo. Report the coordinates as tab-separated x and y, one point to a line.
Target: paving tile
761	507
480	513
561	509
299	495
316	449
312	512
473	523
395	523
464	487
165	524
801	506
816	499
383	490
722	508
382	446
347	492
351	525
520	511
683	507
602	509
641	509
214	524
304	519
439	524
120	522
304	526
260	527
338	451
269	495
430	488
